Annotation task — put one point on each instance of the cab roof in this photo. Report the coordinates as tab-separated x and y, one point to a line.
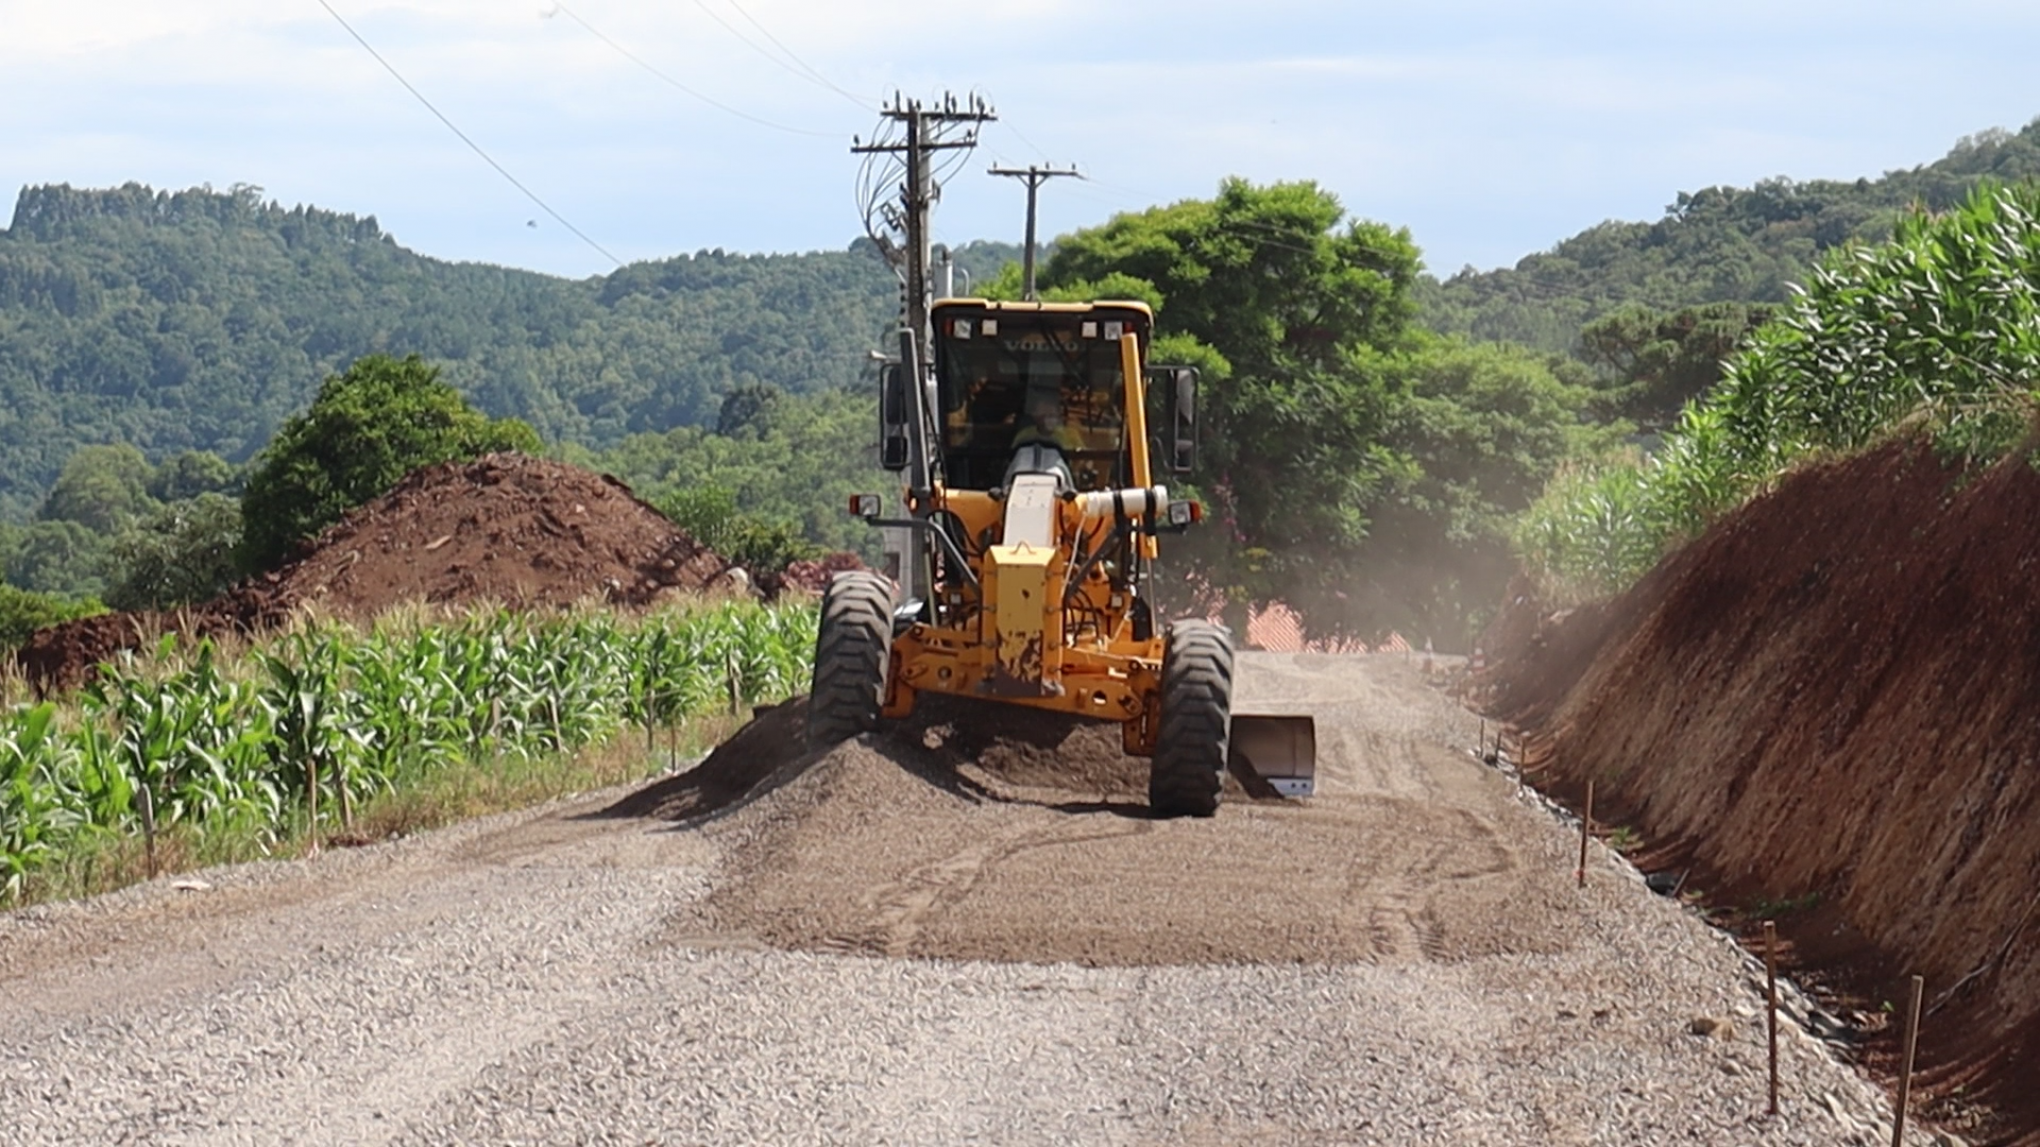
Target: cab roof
1038	307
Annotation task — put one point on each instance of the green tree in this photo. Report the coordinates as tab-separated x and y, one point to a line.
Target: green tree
748	409
368	427
798	475
1655	362
58	557
102	488
22	612
1486	425
184	553
189	474
1292	311
710	516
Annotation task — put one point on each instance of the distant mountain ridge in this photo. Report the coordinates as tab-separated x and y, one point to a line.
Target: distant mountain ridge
200	319
1720	244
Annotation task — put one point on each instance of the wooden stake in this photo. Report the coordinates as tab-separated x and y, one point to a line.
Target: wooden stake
149	829
312	803
1586	831
1771	1002
1912	1040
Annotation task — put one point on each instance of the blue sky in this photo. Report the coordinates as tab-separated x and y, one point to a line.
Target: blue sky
1490	129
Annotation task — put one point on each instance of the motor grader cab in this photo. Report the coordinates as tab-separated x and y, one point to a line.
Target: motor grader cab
1033	521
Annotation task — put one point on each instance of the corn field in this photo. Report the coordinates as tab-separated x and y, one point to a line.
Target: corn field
301	729
1938	328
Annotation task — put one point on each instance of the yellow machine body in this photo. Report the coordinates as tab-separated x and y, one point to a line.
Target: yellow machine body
1042	615
1037	597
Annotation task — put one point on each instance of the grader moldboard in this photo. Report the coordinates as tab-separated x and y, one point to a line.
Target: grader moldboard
1031	530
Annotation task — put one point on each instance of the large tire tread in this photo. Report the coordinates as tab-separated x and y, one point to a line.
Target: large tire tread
1187	774
851	654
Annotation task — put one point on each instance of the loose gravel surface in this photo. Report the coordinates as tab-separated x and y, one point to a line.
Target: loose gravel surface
885	949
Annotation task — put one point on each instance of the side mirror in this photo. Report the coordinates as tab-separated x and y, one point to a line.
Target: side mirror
893	422
1178	386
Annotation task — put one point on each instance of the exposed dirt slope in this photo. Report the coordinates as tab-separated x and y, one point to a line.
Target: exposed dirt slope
1833	699
504	528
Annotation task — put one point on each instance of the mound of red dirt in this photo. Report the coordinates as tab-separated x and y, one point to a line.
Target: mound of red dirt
523	532
1829	706
808	575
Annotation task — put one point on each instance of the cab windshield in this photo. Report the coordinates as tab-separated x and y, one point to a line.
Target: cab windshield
1007	380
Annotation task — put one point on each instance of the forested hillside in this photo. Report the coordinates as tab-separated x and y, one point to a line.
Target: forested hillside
153	343
1717	245
200	320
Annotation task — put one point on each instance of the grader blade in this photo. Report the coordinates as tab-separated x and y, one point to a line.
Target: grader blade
1280	750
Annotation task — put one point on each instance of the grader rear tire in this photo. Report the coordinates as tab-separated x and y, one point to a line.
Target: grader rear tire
1188	770
851	652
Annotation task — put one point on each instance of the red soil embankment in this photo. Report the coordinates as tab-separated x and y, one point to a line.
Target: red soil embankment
1833	699
518	531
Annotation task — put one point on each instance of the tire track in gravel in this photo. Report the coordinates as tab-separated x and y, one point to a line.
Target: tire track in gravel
900	908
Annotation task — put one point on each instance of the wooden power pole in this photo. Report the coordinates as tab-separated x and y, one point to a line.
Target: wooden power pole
927	130
1034	177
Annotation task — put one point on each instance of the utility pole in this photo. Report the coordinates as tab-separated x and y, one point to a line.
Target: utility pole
1035	177
927	132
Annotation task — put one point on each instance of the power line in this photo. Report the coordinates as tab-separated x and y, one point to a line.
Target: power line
1008	125
627	54
475	147
853	97
810	75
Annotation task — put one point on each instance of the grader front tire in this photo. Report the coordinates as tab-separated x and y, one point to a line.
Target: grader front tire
1188	770
851	652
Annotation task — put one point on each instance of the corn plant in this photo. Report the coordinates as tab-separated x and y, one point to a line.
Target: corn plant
34	809
1940	327
328	716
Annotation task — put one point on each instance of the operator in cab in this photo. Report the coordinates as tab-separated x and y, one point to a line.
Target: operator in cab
1044	441
1044	423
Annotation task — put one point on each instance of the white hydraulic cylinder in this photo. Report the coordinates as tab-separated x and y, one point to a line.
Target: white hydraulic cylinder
1135	503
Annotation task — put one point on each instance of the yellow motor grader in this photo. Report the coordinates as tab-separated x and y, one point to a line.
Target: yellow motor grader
1032	523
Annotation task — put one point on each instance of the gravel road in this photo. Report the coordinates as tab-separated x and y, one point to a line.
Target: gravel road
881	951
